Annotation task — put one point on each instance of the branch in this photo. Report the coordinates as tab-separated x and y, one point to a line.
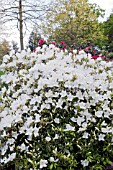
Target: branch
6	9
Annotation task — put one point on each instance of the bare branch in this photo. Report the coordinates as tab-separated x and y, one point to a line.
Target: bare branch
31	11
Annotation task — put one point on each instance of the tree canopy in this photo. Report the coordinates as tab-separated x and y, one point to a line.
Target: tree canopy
108	29
4	49
73	22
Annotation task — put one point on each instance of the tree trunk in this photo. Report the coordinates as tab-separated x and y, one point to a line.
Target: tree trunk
21	25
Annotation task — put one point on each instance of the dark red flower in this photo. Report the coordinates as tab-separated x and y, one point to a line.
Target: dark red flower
41	42
63	45
95	57
34	50
54	43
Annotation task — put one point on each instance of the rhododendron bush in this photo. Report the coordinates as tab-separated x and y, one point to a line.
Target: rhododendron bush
56	110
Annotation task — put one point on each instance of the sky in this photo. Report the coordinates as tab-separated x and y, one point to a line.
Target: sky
107	5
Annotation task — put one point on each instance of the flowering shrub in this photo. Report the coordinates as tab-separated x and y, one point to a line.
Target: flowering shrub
87	48
62	45
56	111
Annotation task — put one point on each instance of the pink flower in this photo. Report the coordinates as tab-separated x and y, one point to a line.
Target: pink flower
87	48
103	57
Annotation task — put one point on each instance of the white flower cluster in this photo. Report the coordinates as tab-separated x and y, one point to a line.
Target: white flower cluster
49	94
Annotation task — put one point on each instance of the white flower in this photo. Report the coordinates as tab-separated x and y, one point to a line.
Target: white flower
79	94
18	117
29	121
11	141
87	115
36	131
3	90
3	134
6	58
99	113
55	94
84	162
93	119
56	120
53	160
12	156
38	49
52	46
65	50
29	131
89	55
55	151
25	109
3	113
70	97
37	117
5	160
69	128
59	103
84	125
73	119
49	94
44	46
112	140
43	106
103	123
4	149
75	51
34	108
6	122
48	139
12	147
85	135
56	136
101	137
106	114
33	101
81	129
70	55
22	147
106	129
81	52
43	163
80	120
63	93
82	105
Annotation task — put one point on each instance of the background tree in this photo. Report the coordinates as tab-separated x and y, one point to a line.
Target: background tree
74	22
23	12
4	49
33	39
14	46
2	27
108	32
